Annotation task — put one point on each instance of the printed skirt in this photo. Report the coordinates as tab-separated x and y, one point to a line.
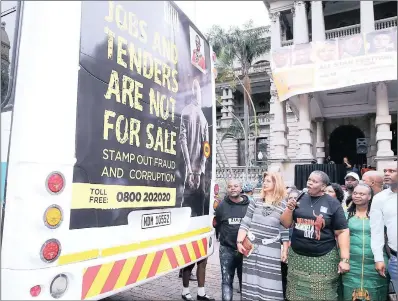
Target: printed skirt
313	278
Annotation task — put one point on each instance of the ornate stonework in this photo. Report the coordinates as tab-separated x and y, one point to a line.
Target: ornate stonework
274	16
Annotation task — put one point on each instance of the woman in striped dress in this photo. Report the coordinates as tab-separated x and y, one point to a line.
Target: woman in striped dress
262	277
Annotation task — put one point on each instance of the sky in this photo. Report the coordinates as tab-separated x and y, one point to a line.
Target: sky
204	14
224	13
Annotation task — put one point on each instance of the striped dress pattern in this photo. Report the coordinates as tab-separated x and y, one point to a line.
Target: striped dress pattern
262	277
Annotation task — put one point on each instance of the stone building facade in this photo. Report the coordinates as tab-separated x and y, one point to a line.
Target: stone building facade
313	126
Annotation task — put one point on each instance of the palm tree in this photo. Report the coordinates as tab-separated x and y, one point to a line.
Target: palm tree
242	46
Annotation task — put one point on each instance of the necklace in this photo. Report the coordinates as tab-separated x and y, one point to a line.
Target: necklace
313	203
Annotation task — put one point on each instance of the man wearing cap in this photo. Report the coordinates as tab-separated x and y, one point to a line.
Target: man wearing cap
248	189
351	181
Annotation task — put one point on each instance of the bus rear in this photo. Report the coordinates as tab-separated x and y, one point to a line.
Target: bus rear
108	160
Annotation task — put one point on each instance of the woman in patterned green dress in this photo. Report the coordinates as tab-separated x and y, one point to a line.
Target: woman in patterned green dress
362	282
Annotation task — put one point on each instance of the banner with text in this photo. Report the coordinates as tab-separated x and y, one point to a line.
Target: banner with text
337	63
144	113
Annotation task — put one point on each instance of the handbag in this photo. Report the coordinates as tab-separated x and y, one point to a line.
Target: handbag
248	245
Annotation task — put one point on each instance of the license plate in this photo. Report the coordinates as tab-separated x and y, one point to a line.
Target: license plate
155	220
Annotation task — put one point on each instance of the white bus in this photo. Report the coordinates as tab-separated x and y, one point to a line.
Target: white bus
107	137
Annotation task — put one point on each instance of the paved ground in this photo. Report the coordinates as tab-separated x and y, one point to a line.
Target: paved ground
169	287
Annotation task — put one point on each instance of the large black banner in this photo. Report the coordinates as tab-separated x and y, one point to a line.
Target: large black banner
144	113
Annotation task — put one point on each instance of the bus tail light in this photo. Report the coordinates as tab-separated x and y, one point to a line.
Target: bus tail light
35	291
53	216
50	250
58	286
55	182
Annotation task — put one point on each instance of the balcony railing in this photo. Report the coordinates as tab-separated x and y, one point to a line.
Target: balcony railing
259	68
255	173
352	30
343	31
386	23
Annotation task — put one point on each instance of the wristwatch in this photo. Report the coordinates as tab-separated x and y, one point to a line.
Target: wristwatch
345	260
239	242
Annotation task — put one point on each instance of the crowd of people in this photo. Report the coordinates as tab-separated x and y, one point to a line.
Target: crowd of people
323	243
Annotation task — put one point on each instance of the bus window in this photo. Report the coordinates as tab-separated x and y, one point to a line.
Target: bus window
9	26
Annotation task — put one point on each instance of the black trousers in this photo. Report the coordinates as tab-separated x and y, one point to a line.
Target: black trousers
284	278
230	260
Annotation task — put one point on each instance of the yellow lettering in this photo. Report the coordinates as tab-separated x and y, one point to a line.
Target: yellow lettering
166	76
119	137
122	24
120	51
156	43
166	48
113	86
138	96
109	18
143	37
159	140
174	53
128	87
173	142
150	143
147	73
158	71
107	125
174	77
135	58
111	37
173	107
135	126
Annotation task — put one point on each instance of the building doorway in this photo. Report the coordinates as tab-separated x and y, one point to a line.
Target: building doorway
393	129
343	143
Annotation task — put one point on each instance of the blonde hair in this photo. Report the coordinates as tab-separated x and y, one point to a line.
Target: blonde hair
279	193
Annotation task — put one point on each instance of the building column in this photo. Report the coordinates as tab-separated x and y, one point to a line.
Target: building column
300	24
367	17
275	30
384	153
305	139
320	141
372	141
227	100
317	21
300	36
278	126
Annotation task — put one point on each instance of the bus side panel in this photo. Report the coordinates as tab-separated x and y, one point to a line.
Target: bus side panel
43	129
5	142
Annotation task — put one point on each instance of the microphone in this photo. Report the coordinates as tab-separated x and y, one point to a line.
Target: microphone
304	191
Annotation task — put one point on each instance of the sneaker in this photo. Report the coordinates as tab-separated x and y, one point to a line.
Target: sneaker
193	277
205	298
187	297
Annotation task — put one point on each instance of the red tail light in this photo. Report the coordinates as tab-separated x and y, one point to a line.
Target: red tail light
50	250
35	291
216	189
55	182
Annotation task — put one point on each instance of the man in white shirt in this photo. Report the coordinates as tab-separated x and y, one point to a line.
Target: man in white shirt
383	213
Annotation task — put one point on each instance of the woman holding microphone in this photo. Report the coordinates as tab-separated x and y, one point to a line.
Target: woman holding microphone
314	260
